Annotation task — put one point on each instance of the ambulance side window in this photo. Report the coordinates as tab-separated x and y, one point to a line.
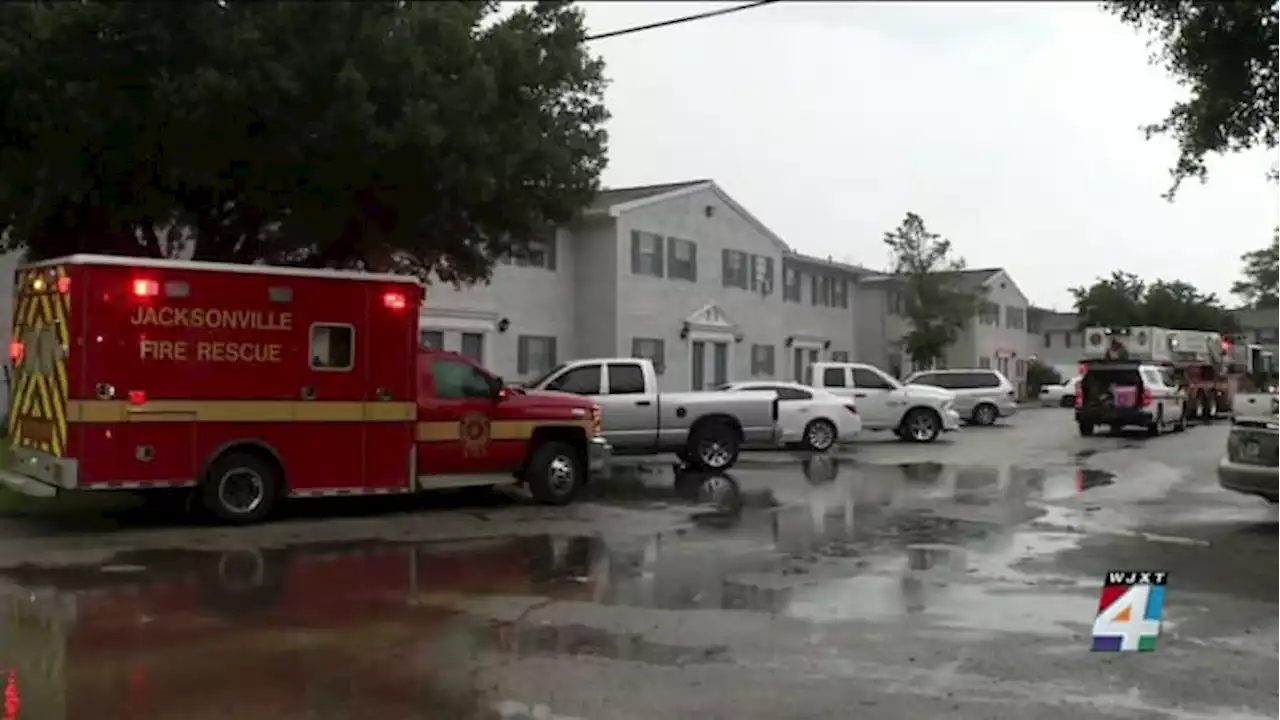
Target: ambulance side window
332	347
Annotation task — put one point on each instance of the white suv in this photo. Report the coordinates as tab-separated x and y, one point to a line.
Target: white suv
913	412
983	395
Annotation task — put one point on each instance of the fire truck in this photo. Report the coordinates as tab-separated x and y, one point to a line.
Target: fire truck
285	634
246	385
1198	358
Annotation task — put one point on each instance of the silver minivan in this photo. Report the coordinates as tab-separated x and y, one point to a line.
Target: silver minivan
983	395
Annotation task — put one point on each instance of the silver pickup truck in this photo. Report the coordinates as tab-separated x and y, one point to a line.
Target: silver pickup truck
706	429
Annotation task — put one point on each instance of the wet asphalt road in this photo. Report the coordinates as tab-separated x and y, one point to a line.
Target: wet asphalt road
895	581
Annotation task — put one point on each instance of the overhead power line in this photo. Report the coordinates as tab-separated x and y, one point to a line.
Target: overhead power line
679	20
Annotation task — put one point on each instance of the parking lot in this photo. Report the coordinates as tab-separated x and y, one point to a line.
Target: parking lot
889	580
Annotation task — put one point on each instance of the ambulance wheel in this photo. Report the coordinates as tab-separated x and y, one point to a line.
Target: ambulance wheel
240	488
554	473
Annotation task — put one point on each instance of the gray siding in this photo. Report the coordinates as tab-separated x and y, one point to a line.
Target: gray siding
804	321
654	307
535	301
595	279
1002	341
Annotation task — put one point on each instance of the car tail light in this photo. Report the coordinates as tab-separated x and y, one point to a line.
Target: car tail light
1146	397
15	352
596	424
851	408
64	285
1079	396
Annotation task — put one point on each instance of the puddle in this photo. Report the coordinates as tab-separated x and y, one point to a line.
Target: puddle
316	630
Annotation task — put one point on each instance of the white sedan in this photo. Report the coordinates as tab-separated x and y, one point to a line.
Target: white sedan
1063	395
807	416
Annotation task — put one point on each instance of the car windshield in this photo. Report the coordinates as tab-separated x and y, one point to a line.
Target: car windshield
545	376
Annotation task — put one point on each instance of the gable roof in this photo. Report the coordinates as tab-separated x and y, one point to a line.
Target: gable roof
855	270
973	279
615	201
609	197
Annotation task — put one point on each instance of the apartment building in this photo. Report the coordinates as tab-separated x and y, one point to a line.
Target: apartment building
1059	341
678	273
998	336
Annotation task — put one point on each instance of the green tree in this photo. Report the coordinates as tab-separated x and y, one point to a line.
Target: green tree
1261	275
388	135
1225	53
1124	300
937	305
1113	301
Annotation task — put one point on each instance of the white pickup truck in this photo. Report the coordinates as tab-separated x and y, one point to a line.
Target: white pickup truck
705	429
913	412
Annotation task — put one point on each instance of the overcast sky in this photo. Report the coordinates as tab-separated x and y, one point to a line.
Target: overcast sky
1012	129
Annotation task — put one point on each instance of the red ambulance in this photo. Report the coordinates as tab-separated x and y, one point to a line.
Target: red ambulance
252	384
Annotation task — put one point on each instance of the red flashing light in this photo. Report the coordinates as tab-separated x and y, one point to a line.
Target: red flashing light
12	695
145	288
15	351
137	397
64	284
394	301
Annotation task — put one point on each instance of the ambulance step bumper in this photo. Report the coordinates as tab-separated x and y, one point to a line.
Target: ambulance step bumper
26	485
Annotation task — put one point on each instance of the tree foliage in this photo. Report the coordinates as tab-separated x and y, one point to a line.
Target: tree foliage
389	135
1261	273
1224	53
1124	300
937	304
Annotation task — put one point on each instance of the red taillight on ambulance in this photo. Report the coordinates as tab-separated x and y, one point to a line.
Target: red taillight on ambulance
64	285
15	351
137	397
394	301
145	288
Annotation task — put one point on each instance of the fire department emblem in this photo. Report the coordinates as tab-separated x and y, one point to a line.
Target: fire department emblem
474	430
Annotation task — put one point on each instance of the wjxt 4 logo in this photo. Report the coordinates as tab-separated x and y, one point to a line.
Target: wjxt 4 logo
1130	610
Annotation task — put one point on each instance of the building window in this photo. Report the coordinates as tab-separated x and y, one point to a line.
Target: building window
433	339
762	360
332	347
818	289
646	253
840	292
735	273
539	252
1033	322
1014	317
535	354
989	314
791	285
839	356
897	303
762	274
682	259
473	347
1066	339
652	350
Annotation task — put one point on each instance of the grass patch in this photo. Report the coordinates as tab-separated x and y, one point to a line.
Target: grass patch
14	504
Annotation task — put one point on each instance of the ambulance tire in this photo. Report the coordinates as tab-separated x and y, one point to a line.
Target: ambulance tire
265	487
555	473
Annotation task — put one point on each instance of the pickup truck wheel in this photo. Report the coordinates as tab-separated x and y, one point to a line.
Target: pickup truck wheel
1086	429
921	425
713	446
240	488
554	473
819	435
